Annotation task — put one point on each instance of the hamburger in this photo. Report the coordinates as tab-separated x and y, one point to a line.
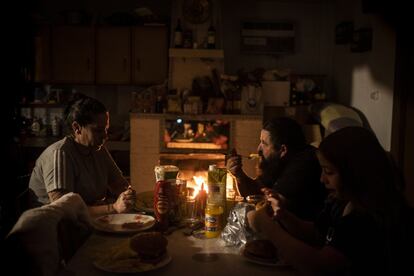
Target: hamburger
261	250
151	247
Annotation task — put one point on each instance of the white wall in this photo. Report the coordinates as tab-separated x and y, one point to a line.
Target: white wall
365	80
314	41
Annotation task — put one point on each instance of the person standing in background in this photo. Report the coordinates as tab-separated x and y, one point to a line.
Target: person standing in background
81	163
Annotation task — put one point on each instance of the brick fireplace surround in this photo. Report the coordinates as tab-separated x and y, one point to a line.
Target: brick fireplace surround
146	146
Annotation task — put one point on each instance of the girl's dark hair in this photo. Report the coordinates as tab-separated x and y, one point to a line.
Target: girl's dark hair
366	171
287	131
368	179
82	109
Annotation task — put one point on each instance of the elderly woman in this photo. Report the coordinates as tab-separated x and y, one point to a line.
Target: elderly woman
364	224
81	163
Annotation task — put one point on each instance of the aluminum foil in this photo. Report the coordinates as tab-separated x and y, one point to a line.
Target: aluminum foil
237	232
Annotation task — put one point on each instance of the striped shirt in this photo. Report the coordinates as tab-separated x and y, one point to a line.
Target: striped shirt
63	166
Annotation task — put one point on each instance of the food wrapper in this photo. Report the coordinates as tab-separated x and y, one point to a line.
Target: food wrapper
237	232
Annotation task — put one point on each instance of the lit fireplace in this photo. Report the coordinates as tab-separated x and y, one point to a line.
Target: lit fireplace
191	143
199	182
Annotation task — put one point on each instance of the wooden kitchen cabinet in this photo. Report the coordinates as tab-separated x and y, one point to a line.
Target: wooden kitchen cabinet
113	55
149	54
101	55
72	59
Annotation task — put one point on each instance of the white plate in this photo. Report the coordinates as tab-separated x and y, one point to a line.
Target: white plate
278	263
123	223
130	265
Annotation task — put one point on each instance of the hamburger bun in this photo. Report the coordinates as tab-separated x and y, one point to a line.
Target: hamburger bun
262	250
151	247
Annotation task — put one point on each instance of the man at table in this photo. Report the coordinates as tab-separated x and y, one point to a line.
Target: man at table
81	163
288	166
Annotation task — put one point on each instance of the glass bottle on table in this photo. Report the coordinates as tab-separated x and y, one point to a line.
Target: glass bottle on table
213	220
216	180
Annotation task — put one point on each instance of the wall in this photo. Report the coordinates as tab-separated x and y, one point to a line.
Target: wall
365	80
314	21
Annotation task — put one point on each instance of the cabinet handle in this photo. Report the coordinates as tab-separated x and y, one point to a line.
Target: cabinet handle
138	62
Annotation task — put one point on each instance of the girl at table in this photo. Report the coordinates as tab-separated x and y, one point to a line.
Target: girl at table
81	163
364	224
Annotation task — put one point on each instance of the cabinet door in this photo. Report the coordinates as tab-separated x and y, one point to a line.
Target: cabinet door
113	55
150	49
73	54
42	54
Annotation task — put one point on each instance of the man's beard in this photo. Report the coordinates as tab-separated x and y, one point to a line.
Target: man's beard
269	169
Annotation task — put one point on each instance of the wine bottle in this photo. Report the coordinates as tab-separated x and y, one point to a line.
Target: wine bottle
211	37
178	35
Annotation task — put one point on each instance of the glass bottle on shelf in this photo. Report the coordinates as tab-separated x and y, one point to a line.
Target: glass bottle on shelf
211	37
178	35
159	105
36	127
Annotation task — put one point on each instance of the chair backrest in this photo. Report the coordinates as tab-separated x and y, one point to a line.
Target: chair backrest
49	235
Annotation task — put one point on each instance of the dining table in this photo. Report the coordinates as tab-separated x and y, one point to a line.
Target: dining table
190	255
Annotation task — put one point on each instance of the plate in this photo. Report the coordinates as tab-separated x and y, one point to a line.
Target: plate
123	223
260	261
130	265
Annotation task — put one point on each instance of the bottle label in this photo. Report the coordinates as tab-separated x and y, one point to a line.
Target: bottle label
217	186
178	39
211	39
212	225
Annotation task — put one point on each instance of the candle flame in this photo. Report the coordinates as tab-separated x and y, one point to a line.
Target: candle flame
197	185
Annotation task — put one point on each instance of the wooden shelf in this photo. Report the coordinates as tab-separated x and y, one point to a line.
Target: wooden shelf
43	105
196	53
199	117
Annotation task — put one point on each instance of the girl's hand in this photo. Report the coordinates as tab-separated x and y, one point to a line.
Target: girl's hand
259	219
277	201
